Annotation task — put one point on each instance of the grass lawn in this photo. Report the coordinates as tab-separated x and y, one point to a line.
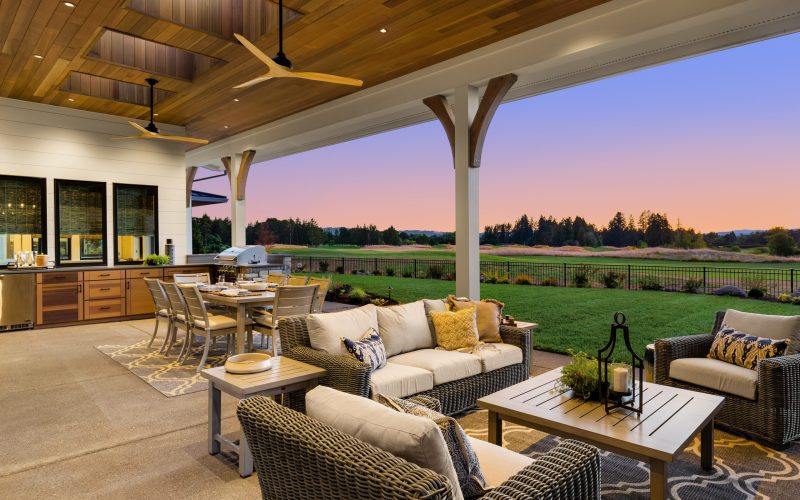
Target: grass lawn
580	318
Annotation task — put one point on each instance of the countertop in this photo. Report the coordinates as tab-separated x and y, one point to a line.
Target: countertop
33	270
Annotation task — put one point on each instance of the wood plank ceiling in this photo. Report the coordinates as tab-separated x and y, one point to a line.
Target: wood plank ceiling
331	36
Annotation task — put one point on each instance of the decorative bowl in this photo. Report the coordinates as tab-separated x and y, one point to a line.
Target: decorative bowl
251	362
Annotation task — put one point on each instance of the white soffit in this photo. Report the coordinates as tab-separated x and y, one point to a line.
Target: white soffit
617	37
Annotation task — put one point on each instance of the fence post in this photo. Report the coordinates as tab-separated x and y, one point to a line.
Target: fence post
704	280
565	274
375	267
415	268
508	269
629	276
791	281
343	271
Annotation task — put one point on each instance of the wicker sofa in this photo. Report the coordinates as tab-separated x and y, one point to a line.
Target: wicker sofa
770	411
297	456
347	374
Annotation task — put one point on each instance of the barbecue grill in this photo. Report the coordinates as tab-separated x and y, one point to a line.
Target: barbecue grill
251	261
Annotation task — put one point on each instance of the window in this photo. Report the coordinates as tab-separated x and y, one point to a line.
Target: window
22	216
135	222
80	222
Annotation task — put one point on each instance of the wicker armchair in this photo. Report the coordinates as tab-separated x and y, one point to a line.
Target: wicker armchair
296	456
347	374
773	418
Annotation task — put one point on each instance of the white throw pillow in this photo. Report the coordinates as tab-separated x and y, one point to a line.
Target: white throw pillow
415	439
404	328
325	331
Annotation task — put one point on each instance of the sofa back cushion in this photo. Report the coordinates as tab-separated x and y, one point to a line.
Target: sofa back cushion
766	325
415	439
325	331
404	328
489	315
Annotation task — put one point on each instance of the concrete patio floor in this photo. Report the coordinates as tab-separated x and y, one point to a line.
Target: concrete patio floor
76	424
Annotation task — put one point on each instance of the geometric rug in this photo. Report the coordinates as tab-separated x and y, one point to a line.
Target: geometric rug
743	469
162	372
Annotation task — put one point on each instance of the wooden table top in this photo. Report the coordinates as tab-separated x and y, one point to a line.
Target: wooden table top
258	298
284	371
671	417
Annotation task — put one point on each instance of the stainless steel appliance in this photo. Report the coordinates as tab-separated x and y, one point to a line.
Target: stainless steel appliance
17	301
249	262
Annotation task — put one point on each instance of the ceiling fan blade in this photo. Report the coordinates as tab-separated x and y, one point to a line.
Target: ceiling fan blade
272	65
323	77
140	128
128	137
250	83
180	139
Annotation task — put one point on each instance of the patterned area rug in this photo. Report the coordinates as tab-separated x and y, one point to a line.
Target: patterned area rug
163	372
742	469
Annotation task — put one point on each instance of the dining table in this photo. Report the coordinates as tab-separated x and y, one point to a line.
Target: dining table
241	303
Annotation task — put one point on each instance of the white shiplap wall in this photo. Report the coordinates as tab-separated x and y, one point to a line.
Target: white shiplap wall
53	142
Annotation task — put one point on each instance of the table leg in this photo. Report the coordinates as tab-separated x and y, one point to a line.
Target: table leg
214	418
241	311
245	457
707	446
658	479
495	428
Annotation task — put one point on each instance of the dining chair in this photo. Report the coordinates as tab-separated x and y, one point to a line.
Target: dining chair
289	301
179	315
182	279
296	280
276	279
209	326
324	284
163	311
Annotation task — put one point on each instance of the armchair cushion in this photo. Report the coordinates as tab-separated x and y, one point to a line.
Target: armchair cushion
717	375
498	463
766	325
404	328
413	438
446	366
400	381
325	331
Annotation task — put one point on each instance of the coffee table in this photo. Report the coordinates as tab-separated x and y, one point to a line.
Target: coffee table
671	418
286	375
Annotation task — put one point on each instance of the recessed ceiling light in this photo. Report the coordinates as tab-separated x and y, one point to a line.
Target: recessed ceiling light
235	100
69	4
70	99
37	56
226	126
383	30
155	114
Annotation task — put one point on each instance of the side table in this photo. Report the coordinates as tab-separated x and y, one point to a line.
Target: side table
286	375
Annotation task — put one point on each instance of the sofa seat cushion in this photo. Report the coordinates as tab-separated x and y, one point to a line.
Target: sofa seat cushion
415	439
325	331
446	366
766	325
496	356
404	328
717	375
400	381
497	463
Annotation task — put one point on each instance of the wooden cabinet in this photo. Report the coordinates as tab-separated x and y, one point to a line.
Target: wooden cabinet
104	294
172	271
107	308
59	298
137	296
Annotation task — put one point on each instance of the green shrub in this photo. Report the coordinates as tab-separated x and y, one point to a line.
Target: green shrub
756	293
692	285
379	301
580	376
755	288
376	272
796	300
612	279
580	277
785	298
323	266
550	282
523	279
503	279
735	248
389	271
650	283
358	293
435	272
156	260
339	269
406	274
354	271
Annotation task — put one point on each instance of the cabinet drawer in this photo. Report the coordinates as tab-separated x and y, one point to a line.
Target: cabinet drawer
144	273
104	289
55	278
169	273
102	275
107	308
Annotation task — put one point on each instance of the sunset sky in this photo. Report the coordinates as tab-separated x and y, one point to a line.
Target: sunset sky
713	141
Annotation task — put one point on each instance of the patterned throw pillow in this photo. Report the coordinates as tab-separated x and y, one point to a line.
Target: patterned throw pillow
455	330
368	349
468	470
489	315
745	350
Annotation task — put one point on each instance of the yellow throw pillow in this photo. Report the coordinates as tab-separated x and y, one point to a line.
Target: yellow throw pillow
489	315
455	329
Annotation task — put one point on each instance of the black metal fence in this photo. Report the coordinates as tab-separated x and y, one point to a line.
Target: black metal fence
700	279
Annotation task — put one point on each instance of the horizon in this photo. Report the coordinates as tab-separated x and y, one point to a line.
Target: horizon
716	132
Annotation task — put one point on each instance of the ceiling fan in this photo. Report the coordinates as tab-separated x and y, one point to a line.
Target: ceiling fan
151	131
281	67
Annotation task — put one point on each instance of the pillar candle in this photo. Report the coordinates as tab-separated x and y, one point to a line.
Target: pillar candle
620	380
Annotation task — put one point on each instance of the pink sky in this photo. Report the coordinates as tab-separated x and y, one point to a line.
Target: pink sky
713	141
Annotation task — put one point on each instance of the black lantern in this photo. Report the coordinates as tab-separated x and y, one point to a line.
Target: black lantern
621	391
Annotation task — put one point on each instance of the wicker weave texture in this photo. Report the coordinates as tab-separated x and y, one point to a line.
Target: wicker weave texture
773	418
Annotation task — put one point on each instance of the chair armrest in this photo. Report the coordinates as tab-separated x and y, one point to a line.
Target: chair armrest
779	381
570	470
297	456
520	338
345	373
426	401
668	350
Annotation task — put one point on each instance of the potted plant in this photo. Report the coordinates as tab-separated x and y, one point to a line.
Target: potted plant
580	376
156	260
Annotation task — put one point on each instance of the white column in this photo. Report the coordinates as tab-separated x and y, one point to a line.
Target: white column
238	212
188	228
467	227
